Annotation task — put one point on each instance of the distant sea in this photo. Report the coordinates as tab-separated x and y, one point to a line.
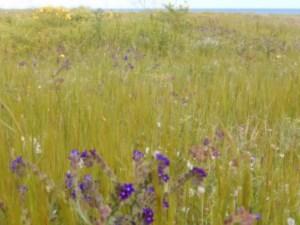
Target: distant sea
227	10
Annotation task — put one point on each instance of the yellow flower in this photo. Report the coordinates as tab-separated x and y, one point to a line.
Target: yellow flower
68	16
62	56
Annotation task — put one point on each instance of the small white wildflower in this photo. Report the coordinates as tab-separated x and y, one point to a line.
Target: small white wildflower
189	165
191	192
49	187
158	124
281	155
81	164
54	212
147	150
291	221
200	190
36	146
178	153
185	210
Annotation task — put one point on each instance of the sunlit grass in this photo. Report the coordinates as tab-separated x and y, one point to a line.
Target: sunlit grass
162	81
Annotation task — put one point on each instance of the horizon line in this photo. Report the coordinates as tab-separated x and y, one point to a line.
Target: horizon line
147	8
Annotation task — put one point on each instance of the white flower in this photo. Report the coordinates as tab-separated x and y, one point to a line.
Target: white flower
147	150
185	210
191	192
81	163
189	165
158	124
200	190
291	221
36	146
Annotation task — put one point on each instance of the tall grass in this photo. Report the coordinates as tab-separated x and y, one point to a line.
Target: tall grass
162	81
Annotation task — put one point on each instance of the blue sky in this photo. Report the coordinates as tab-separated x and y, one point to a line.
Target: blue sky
152	3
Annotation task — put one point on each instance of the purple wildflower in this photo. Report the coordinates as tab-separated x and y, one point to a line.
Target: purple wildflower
206	142
86	183
125	191
163	164
88	158
18	166
150	189
73	194
148	216
69	182
215	153
199	173
165	178
74	158
94	154
86	188
162	159
137	155
257	216
165	203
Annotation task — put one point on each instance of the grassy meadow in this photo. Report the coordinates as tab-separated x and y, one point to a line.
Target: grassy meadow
153	81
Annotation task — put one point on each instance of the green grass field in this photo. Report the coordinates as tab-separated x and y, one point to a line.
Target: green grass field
152	81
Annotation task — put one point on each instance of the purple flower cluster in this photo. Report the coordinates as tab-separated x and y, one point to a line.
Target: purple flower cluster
163	164
199	173
18	166
137	155
125	191
86	188
148	216
69	182
87	157
74	158
166	203
150	190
